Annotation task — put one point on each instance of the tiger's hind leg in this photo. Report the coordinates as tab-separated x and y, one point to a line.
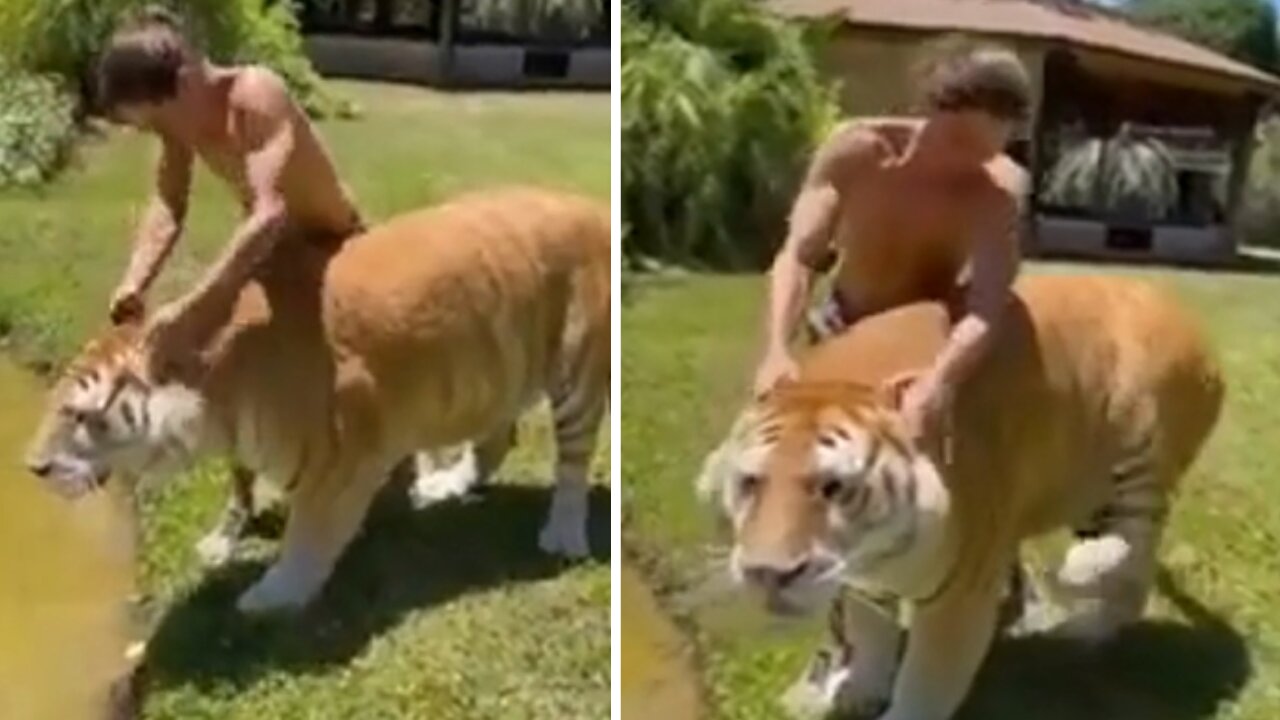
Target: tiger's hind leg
460	471
219	544
1108	573
577	406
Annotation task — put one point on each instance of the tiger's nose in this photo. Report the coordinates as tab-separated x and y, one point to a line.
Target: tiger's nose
774	577
39	467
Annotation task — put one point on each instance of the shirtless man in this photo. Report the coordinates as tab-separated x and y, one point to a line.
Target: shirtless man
916	208
242	123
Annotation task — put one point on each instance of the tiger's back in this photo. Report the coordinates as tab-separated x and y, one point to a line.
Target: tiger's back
1086	372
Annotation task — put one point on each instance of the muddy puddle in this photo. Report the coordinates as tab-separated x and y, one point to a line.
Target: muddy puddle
65	572
658	679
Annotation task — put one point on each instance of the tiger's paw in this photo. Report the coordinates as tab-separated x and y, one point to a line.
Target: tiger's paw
564	538
1090	627
865	692
277	591
828	687
1089	562
565	532
434	484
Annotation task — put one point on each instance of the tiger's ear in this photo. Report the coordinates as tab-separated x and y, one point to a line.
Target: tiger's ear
716	466
711	478
893	390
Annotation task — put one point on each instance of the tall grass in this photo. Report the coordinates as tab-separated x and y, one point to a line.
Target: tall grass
721	104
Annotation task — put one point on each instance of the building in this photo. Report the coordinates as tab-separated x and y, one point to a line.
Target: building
462	43
1159	114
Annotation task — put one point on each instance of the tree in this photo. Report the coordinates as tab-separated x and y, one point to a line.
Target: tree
1242	29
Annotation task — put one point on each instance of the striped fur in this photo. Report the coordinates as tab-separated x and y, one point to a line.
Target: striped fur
1095	398
436	329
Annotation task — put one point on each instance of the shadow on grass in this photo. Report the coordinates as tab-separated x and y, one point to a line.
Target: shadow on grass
405	560
1157	670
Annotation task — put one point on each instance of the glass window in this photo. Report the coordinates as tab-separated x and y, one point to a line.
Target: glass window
548	22
1141	174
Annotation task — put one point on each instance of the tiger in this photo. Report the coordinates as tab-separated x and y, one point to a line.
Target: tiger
434	329
1094	398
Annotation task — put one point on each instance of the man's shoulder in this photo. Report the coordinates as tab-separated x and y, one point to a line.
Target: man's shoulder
856	142
259	88
1009	181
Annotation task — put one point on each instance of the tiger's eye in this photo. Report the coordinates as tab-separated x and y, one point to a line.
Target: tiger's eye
748	484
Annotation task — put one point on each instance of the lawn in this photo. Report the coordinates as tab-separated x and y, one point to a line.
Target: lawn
450	613
1211	645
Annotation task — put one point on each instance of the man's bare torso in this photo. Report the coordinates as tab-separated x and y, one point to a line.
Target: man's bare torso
315	199
905	233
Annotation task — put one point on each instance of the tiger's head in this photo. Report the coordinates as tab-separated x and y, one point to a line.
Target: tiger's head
104	417
822	487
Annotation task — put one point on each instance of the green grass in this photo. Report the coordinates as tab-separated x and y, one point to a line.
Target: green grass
1211	646
450	613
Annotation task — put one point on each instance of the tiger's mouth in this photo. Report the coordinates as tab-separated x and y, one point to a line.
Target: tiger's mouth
73	485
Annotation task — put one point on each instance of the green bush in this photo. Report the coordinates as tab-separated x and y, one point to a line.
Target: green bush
36	127
1138	176
64	37
721	105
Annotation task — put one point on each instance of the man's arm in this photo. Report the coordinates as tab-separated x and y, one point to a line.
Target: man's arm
161	226
996	260
267	134
809	236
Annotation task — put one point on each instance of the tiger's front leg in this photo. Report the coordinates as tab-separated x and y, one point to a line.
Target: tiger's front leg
946	644
853	675
219	544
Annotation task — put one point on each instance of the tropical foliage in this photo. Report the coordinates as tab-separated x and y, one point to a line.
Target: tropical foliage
721	104
63	37
36	127
1243	29
1260	211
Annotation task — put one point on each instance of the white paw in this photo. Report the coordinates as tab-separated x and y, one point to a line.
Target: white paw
1090	627
865	691
1037	618
809	699
434	483
1088	562
565	532
215	549
275	591
565	538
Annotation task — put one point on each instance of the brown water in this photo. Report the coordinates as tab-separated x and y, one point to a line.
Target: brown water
64	575
658	680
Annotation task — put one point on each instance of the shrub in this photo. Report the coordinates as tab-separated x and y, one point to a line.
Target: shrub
1260	210
64	37
721	105
36	127
1138	177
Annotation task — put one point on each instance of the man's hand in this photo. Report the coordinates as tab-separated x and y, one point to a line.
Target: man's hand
923	400
776	367
127	305
169	340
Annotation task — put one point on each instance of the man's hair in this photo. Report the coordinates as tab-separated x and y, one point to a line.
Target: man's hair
958	74
142	60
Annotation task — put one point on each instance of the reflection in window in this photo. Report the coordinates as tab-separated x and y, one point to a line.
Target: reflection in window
568	22
1141	174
